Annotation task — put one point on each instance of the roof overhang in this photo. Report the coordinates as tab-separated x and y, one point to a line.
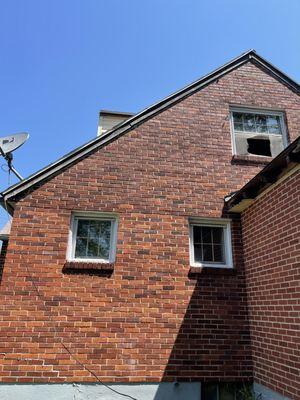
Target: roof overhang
280	168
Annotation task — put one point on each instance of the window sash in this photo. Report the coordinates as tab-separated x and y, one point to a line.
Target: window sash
210	244
226	242
257	126
74	236
257	112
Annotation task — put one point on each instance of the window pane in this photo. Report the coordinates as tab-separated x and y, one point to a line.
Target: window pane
206	234
262	128
261	119
272	120
274	130
92	250
209	244
207	253
197	234
198	253
218	253
238	127
106	229
217	235
249	122
93	239
238	121
83	227
210	391
81	248
227	391
104	240
94	229
104	249
238	118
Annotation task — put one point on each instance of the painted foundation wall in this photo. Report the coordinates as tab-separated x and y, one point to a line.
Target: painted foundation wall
155	391
264	393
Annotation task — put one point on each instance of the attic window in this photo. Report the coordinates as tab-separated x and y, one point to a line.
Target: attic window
256	132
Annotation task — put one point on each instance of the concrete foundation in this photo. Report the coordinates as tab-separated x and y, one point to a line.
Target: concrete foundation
264	393
143	391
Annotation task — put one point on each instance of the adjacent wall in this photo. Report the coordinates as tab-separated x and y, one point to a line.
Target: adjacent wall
271	236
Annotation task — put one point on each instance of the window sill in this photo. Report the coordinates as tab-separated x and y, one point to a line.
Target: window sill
248	160
88	266
212	270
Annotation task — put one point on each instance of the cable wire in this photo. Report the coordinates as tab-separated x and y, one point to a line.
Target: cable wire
41	296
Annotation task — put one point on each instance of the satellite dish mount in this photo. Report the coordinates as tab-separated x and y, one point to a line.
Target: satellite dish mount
7	145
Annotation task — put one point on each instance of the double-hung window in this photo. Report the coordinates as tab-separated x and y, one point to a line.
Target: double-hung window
210	243
257	132
93	238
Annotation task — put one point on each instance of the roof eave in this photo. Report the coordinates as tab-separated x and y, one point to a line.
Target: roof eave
278	168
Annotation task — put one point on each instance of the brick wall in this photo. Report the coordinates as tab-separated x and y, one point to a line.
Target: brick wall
271	233
150	319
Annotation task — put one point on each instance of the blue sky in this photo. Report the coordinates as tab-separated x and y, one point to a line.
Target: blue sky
64	60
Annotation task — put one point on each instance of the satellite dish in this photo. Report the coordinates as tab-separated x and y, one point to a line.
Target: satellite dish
10	143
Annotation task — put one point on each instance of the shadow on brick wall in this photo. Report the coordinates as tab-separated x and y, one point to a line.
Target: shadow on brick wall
213	342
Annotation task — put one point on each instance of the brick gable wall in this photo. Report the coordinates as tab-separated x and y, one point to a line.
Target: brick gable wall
150	319
271	233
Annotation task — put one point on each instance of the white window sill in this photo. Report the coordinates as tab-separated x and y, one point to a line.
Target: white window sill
90	260
208	265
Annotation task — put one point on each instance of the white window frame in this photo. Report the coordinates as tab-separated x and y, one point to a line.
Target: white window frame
98	217
214	222
249	110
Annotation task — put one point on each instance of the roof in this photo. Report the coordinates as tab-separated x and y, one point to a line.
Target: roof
138	119
5	231
282	166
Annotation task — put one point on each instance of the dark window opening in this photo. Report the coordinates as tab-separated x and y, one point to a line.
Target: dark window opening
260	147
226	391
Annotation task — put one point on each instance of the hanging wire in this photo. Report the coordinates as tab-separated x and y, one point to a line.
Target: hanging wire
41	296
5	168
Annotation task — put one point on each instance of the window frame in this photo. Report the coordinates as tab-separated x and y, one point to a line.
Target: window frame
223	223
93	216
262	111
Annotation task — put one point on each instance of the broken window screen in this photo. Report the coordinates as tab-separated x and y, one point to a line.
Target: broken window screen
257	133
208	244
93	239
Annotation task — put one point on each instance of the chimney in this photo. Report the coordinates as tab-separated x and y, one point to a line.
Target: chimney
110	119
